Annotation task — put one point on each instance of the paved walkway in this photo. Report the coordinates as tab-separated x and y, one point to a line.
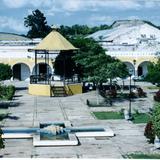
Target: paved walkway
30	109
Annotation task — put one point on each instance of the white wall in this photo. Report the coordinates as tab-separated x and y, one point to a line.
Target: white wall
15	51
25	72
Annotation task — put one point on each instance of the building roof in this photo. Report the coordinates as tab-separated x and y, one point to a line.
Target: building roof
54	41
12	37
128	32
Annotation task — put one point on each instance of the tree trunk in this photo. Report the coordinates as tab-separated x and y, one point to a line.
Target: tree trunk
123	84
110	88
97	94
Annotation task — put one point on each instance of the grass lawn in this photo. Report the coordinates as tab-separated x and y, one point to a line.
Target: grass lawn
153	87
102	104
141	118
108	115
138	118
142	156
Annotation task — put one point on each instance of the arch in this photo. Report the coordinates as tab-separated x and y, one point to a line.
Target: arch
130	66
42	68
21	71
142	68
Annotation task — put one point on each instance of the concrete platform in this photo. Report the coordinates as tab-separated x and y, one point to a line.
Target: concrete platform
16	135
73	141
29	110
106	133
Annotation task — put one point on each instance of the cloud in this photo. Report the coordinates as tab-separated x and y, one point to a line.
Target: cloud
74	5
117	4
24	3
151	4
54	6
41	3
15	3
12	24
133	18
100	19
78	5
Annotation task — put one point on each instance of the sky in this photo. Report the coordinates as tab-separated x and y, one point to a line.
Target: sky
70	12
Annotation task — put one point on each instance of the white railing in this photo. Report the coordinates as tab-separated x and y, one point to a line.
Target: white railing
131	54
19	43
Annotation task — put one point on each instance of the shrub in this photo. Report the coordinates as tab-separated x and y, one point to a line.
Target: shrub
112	93
132	95
1	140
157	96
156	119
149	132
136	111
102	93
2	91
141	93
10	92
122	111
87	102
7	92
5	71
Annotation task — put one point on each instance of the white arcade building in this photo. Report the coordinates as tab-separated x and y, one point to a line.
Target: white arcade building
14	51
135	42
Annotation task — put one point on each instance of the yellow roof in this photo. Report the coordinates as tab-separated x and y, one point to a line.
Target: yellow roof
54	41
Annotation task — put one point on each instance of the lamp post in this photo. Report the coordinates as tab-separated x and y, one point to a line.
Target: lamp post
129	111
134	62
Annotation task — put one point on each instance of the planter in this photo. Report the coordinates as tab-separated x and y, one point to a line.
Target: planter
157	142
126	115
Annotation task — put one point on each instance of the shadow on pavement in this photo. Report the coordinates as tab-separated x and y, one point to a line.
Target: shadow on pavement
11	117
7	104
21	88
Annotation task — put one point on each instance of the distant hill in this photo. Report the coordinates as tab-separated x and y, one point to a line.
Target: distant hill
128	32
12	37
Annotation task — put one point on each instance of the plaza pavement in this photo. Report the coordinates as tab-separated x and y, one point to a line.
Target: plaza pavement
30	109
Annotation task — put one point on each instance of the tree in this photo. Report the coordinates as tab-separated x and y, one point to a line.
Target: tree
80	30
97	66
5	71
153	75
149	132
64	64
37	24
156	119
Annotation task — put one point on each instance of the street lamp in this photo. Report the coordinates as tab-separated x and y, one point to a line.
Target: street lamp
134	62
129	111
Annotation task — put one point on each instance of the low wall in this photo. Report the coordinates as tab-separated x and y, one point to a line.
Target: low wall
39	89
73	89
45	90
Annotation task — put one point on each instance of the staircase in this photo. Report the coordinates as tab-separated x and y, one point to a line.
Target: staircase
59	91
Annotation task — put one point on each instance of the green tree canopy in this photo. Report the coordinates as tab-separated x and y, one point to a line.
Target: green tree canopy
80	30
97	66
38	28
156	119
37	24
153	75
5	71
64	64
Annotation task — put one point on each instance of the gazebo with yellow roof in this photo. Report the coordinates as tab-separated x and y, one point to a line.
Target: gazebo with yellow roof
53	43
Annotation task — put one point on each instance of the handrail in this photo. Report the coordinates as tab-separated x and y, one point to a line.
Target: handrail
41	79
47	79
69	90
